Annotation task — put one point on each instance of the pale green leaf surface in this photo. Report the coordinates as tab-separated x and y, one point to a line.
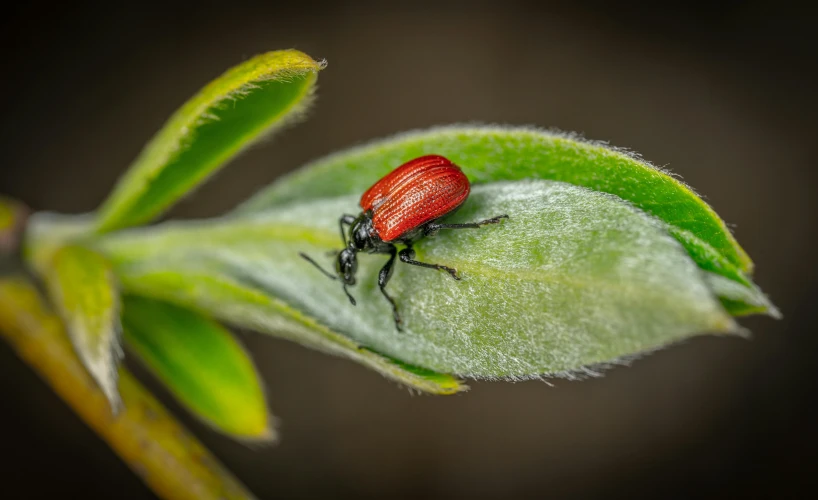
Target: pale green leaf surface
83	290
741	300
241	302
232	112
201	363
738	294
489	154
574	278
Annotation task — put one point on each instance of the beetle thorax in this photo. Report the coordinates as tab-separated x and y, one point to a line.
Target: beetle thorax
361	234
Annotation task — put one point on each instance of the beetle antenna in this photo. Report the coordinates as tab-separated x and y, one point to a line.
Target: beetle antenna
351	298
327	274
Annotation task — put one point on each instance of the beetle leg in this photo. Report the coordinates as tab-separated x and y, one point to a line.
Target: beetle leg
408	255
383	279
348	220
434	227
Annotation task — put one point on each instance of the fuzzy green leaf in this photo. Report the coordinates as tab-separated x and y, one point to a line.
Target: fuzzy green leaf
246	103
83	289
489	154
574	278
237	300
201	363
740	300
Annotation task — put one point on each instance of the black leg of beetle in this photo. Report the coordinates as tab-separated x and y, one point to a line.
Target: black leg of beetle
318	266
431	228
348	220
408	255
383	279
328	275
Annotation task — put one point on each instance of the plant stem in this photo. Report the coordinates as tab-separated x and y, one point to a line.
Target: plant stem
173	463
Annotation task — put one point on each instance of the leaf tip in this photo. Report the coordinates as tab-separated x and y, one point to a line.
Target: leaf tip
767	307
741	299
269	435
259	435
106	376
725	324
455	387
446	385
283	64
259	428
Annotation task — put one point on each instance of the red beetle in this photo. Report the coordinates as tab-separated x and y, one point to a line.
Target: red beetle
401	208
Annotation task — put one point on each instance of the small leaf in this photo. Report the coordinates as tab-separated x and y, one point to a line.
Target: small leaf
201	363
83	289
741	300
573	278
490	154
165	455
229	114
240	302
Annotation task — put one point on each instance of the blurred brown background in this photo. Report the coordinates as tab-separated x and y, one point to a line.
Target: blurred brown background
722	95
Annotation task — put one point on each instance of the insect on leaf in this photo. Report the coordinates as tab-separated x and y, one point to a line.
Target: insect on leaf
574	278
489	154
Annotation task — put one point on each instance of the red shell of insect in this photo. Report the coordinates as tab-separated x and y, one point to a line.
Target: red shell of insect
417	192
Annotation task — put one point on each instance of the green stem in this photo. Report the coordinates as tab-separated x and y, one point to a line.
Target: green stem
171	461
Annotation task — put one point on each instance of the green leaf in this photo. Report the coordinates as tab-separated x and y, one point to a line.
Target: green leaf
201	363
83	289
237	300
246	103
741	300
490	154
574	278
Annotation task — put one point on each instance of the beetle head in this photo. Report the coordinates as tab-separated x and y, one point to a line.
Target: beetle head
347	265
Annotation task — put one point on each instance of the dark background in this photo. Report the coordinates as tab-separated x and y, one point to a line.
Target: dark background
722	95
